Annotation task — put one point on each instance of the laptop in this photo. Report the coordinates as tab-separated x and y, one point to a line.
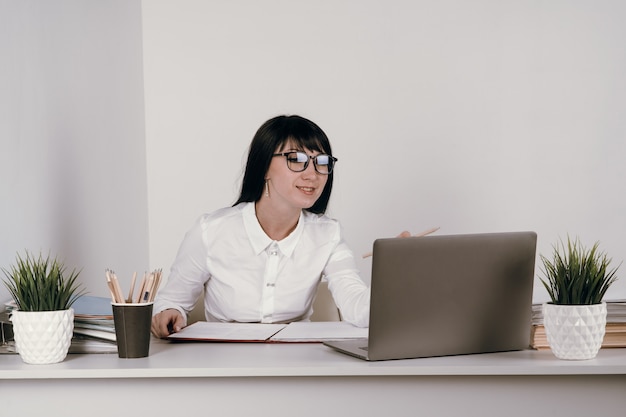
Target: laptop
448	295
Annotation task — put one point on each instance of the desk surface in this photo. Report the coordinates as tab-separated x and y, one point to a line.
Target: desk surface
185	360
276	379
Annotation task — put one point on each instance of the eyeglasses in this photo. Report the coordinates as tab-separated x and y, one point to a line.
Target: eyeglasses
299	161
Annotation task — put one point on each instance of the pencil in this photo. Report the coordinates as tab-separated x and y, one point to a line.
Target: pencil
147	291
142	287
113	284
111	289
155	285
424	233
132	288
118	290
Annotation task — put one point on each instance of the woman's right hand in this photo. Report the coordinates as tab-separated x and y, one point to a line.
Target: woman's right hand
167	322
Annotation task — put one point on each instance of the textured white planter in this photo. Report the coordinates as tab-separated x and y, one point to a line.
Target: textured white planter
43	337
575	331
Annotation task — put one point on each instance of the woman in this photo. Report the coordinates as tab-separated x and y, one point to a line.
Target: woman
262	259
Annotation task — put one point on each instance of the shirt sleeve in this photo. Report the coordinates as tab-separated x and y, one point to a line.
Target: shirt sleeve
188	273
349	291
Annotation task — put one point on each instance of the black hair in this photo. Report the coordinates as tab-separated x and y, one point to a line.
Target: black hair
271	136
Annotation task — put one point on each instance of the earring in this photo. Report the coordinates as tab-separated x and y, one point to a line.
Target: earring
267	189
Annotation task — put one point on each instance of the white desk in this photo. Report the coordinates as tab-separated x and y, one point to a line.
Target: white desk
310	380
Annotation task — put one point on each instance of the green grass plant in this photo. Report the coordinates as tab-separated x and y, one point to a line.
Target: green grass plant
41	284
576	275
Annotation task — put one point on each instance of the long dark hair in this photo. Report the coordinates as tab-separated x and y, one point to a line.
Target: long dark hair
272	135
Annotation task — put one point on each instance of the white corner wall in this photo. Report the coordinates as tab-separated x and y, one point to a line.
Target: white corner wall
477	116
72	162
473	116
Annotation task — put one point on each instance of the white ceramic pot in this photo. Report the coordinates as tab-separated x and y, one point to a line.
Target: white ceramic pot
575	331
43	337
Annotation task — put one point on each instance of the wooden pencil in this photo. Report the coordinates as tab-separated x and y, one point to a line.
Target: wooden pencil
424	233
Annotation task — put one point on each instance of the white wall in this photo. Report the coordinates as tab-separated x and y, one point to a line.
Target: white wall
474	116
72	161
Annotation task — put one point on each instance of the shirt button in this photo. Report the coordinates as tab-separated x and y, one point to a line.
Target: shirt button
273	253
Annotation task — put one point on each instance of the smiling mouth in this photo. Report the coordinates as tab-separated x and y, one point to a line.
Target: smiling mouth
308	190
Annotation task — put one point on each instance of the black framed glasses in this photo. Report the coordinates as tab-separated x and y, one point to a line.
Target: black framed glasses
299	161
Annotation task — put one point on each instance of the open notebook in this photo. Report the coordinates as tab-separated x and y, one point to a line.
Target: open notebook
203	331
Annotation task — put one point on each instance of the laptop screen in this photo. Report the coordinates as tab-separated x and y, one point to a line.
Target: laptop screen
451	294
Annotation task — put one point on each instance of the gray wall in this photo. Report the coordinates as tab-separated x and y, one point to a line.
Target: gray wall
475	116
73	164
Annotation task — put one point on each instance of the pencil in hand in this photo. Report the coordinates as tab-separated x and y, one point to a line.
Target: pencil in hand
407	234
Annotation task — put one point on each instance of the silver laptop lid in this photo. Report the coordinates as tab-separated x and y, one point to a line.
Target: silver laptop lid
451	294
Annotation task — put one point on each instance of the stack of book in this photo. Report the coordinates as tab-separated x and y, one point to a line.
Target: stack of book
614	337
94	330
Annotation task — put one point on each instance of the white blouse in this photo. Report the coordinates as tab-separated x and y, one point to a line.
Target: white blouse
248	277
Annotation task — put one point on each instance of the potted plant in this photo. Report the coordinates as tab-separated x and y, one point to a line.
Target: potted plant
43	322
576	279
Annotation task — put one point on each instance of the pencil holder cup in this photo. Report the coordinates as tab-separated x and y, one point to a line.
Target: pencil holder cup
132	329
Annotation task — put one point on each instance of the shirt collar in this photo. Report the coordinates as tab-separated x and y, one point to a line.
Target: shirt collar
260	240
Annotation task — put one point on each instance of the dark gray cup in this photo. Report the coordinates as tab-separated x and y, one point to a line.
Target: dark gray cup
132	329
